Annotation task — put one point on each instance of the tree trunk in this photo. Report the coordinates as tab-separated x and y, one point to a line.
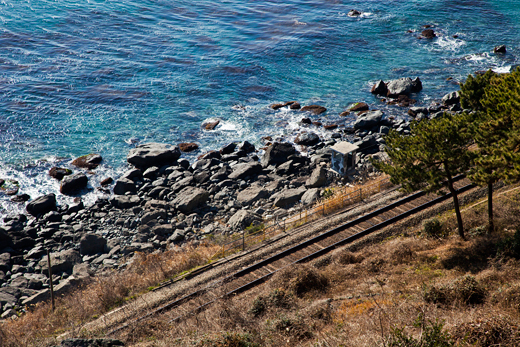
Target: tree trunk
490	207
456	204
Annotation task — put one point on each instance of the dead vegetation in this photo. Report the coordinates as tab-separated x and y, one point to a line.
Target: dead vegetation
414	289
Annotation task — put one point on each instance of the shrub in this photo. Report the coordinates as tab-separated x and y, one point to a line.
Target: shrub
347	257
510	246
259	306
433	228
494	331
229	340
307	279
432	335
465	290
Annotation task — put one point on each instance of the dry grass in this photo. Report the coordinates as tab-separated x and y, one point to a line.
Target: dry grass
359	298
40	324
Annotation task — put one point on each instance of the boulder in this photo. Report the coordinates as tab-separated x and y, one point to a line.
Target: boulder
210	124
310	196
277	153
359	106
252	194
401	86
73	183
7	298
417	111
428	33
42	205
379	88
318	177
106	181
416	85
242	219
190	198
500	49
178	235
89	161
124	185
228	149
153	216
5	262
183	183
153	154
244	170
162	229
452	98
59	172
288	197
92	244
62	261
368	120
314	109
246	147
188	146
307	139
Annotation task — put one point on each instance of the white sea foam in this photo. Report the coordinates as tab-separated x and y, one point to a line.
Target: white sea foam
502	69
449	43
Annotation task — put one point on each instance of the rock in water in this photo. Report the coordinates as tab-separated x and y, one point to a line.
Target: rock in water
59	172
379	88
73	183
428	33
368	120
500	49
314	109
42	205
153	154
188	146
89	161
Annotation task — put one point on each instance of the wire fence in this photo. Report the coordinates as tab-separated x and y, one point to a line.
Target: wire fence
339	198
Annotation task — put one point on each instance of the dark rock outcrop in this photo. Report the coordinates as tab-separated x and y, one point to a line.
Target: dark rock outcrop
92	244
277	153
42	205
73	183
188	146
59	172
368	120
307	139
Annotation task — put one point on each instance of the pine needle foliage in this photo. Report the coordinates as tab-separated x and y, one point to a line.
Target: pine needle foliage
495	129
433	154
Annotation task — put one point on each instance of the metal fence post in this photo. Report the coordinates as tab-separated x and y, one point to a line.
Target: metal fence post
243	240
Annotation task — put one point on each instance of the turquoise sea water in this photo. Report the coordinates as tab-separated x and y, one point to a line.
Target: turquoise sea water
78	77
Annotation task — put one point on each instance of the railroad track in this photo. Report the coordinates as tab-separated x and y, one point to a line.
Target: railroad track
258	272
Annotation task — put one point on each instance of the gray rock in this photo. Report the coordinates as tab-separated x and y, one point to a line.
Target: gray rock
20	282
190	198
123	186
124	201
162	229
5	262
73	183
452	98
318	177
401	86
277	154
153	216
7	298
92	244
156	204
177	236
368	120
288	197
310	196
42	205
244	170
251	194
82	271
242	219
133	174
153	154
62	261
183	183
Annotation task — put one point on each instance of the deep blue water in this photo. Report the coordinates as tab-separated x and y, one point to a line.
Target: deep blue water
92	76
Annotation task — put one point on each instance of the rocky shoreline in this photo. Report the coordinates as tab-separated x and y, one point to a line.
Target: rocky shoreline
164	200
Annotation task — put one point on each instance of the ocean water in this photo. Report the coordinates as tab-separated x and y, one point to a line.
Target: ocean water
99	76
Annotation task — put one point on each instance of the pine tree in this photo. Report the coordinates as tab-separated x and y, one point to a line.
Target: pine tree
434	153
495	129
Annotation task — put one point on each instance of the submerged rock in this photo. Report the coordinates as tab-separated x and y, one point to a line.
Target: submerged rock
314	109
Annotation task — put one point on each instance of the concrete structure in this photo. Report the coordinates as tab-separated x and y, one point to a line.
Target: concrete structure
343	157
